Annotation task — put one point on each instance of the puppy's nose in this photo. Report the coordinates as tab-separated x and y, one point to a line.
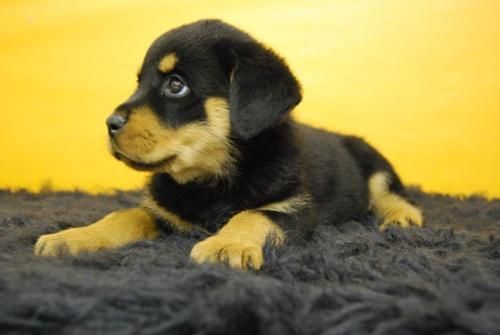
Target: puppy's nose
115	123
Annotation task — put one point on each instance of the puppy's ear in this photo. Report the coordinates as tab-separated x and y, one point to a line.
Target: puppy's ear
262	90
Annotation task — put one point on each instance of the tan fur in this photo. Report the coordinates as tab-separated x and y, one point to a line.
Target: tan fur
392	208
167	63
143	137
113	231
175	221
204	148
240	242
289	206
201	149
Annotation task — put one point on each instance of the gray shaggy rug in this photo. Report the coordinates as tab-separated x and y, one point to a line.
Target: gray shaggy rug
350	279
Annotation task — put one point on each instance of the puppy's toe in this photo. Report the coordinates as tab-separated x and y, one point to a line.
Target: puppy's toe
241	256
49	245
404	217
236	254
67	242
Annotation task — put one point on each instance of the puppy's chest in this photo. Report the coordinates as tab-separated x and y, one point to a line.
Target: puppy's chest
191	204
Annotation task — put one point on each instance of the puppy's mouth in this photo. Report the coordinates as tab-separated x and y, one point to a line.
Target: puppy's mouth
141	166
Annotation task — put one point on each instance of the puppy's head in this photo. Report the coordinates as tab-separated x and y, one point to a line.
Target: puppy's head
200	87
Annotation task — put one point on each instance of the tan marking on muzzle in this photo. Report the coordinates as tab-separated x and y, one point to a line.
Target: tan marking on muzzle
201	149
143	136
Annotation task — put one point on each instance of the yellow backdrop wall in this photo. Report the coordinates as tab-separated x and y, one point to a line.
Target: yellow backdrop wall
418	79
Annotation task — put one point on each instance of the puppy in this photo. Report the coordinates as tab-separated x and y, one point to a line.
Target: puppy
210	120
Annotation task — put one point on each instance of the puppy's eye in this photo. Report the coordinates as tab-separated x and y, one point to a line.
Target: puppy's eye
175	87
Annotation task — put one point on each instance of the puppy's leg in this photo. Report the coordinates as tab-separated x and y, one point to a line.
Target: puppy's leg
113	231
389	206
240	242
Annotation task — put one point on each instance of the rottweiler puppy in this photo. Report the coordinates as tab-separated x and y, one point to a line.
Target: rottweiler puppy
210	120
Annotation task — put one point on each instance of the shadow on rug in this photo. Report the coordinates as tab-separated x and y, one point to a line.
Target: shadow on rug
351	279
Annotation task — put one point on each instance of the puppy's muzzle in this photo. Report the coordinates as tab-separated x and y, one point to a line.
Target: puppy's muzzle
115	123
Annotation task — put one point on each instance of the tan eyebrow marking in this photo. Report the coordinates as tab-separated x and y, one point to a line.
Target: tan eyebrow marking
167	63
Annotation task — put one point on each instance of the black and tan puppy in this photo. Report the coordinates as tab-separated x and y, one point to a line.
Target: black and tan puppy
210	120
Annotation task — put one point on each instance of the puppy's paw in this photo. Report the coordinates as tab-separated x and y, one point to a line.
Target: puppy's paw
405	216
68	242
236	254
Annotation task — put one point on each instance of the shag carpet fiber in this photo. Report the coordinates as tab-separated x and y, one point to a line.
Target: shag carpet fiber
350	279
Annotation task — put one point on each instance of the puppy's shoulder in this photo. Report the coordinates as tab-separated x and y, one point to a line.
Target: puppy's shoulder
313	139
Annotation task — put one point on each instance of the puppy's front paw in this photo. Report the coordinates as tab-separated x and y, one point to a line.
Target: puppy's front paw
68	242
236	254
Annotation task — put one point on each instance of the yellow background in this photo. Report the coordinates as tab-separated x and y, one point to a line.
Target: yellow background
418	79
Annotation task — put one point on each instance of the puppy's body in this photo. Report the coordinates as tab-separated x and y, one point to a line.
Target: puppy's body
319	169
211	120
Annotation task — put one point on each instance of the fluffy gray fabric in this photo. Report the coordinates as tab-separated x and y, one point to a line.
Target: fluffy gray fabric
351	279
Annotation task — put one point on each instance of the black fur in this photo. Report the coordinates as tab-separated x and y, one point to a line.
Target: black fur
277	158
